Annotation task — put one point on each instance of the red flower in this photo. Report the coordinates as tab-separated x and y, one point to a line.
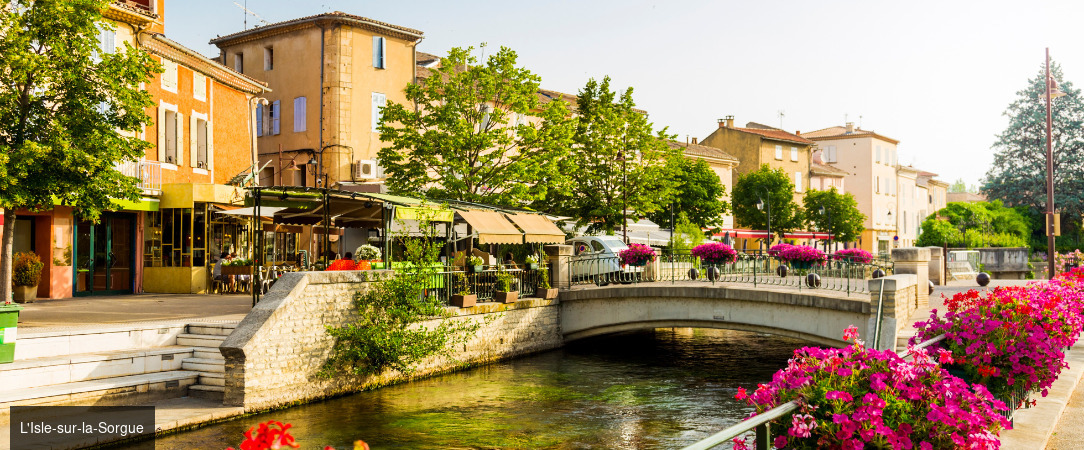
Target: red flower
342	264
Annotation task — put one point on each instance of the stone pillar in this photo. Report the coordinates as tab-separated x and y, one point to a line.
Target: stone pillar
894	295
557	257
916	261
937	265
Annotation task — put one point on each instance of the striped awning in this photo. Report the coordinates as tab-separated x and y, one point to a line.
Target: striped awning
491	227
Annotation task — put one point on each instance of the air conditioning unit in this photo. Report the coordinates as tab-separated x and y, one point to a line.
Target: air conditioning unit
366	169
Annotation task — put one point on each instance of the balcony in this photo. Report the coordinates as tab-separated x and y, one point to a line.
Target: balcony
149	174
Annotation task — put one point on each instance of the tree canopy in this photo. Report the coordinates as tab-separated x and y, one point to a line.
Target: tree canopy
749	188
841	215
698	195
69	112
977	224
1018	174
617	158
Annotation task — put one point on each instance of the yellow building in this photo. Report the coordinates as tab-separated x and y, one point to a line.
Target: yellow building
331	73
757	144
722	163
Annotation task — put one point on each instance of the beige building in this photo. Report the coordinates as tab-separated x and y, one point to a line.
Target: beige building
870	161
823	177
722	163
757	144
931	193
907	206
331	73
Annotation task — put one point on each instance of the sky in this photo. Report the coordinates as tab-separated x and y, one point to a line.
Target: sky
935	75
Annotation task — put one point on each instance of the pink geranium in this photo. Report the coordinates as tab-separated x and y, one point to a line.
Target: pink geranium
715	253
636	255
803	253
854	255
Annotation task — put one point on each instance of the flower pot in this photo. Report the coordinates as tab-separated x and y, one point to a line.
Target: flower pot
506	297
9	320
802	265
532	266
474	269
638	263
363	264
26	294
548	294
464	301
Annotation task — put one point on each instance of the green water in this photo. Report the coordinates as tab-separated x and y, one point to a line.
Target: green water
661	389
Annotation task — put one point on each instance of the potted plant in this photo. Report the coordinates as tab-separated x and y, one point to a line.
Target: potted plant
636	255
505	292
474	263
26	273
532	262
544	289
464	299
853	255
802	257
366	255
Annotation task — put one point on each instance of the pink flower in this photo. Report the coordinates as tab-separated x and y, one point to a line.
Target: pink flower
741	395
851	333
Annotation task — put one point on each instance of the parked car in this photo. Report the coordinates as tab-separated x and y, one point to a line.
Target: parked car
595	259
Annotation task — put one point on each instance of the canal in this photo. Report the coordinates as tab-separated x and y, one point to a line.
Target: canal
659	389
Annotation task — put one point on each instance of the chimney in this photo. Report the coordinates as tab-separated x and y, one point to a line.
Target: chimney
850	127
730	121
694	141
798	133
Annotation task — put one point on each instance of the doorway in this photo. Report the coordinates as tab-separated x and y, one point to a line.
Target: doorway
104	255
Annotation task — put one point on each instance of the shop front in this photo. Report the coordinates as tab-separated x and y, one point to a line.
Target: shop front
105	255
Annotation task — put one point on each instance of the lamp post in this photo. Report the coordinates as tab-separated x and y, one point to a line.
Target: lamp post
255	156
828	213
1050	92
766	205
625	198
890	245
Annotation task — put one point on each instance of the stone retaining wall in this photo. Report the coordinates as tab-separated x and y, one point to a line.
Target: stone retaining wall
275	353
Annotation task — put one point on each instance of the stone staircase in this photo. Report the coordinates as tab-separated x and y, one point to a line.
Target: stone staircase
205	338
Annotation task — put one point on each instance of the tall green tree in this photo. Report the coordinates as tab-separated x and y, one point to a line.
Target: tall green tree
1018	174
618	161
751	187
976	224
958	187
841	215
698	194
69	112
476	132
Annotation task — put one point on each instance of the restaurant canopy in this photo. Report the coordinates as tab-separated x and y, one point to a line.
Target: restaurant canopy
491	227
537	229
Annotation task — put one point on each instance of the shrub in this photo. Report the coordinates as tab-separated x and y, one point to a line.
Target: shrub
715	253
636	255
854	255
367	252
26	270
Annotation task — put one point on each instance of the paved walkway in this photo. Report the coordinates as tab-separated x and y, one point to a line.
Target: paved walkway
80	312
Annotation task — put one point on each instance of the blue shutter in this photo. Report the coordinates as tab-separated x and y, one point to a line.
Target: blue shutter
378	52
275	113
259	119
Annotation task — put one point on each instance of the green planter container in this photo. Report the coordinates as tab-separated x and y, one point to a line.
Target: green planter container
9	320
802	265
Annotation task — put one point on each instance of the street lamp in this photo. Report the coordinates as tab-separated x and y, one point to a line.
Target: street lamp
625	198
890	221
1051	92
766	206
828	213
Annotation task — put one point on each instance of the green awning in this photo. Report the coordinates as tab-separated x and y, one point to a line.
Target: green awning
434	214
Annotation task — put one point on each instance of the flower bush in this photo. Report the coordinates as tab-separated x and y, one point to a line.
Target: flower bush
636	255
26	270
1064	260
778	248
715	253
855	398
367	252
854	255
342	264
274	435
1011	340
802	253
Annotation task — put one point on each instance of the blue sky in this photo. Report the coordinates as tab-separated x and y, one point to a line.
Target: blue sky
936	75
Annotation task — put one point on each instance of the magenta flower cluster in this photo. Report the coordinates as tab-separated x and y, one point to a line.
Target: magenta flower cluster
715	253
1011	340
802	253
855	398
853	255
637	255
778	248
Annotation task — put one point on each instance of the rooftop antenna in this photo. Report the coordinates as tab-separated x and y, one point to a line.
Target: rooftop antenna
845	118
250	13
781	114
482	46
860	121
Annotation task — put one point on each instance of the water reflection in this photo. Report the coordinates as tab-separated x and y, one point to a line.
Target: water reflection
660	389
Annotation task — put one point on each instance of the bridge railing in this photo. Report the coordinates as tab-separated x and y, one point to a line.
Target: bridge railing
842	274
759	423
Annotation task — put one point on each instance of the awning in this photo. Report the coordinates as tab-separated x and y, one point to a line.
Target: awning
491	227
267	211
433	214
538	229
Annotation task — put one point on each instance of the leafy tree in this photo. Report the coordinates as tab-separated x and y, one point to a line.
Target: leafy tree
468	135
698	195
68	113
751	187
1018	174
609	128
841	215
958	187
978	224
687	235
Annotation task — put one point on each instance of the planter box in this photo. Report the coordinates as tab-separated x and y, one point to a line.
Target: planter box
9	319
26	294
465	301
506	297
548	294
236	270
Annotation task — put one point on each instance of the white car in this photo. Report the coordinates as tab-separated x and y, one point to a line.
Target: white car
595	259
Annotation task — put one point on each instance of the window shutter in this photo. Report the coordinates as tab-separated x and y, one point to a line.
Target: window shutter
180	139
379	101
378	52
109	41
794	153
259	119
299	114
193	130
161	126
797	182
276	111
210	148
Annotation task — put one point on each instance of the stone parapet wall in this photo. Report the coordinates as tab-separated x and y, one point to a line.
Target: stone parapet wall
274	355
898	301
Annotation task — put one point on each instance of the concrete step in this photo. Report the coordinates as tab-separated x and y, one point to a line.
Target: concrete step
109	391
35	344
217	329
57	370
200	340
215	393
204	365
207	353
212	379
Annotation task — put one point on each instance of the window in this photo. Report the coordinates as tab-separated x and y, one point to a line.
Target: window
107	41
299	115
378	52
830	154
779	152
259	119
200	156
878	159
199	86
276	111
268	58
794	153
797	182
170	135
239	62
379	101
877	185
169	76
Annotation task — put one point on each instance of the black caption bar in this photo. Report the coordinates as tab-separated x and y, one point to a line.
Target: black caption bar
70	427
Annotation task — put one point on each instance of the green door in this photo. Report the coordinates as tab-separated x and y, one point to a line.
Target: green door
104	255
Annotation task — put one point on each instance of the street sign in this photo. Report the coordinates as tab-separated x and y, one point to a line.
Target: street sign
1053	224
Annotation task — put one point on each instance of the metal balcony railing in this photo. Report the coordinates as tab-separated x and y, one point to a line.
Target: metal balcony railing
149	174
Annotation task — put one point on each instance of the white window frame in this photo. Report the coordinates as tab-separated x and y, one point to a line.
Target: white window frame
169	76
779	152
379	101
199	86
794	153
193	143
178	131
830	154
300	114
268	58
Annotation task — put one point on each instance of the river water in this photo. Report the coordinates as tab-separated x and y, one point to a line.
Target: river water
658	389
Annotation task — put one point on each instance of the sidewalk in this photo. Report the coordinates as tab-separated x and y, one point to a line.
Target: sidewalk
80	312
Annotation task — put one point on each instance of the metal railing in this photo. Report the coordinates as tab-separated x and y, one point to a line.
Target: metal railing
447	281
759	424
149	174
845	275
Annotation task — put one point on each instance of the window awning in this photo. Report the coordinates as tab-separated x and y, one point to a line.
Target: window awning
491	227
538	229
